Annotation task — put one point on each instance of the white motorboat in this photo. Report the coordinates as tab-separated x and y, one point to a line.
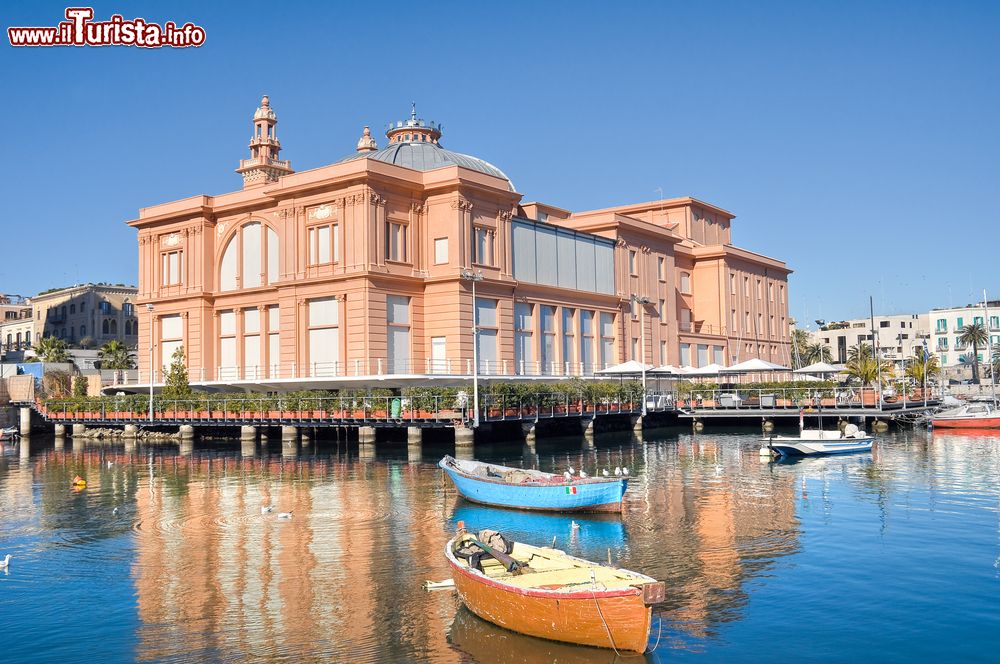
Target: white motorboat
817	441
8	433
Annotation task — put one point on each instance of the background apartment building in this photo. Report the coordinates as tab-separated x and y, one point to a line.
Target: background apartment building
88	313
946	328
897	337
361	268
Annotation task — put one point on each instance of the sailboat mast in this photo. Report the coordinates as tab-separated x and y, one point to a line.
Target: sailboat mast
878	365
989	349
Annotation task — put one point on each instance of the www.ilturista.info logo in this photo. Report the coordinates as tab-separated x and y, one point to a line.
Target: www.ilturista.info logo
80	30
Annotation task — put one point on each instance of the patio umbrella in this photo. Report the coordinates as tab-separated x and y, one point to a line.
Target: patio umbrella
668	370
625	368
707	370
818	368
754	366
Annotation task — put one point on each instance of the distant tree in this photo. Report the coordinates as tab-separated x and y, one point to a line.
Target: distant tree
800	343
176	385
975	335
918	367
116	355
80	386
817	352
51	349
861	364
86	342
56	383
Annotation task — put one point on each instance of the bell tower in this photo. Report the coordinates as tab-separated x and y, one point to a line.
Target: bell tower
263	166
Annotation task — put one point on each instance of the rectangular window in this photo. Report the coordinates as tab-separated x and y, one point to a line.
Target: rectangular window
440	250
663	311
770	292
273	341
661	268
977	320
324	336
663	352
717	356
547	324
635	349
607	339
633	309
439	355
587	340
746	286
171	338
994	321
732	284
395	242
685	356
685	283
523	342
960	323
170	269
569	336
397	318
735	321
703	355
632	262
685	322
760	291
486	321
324	244
884	323
483	246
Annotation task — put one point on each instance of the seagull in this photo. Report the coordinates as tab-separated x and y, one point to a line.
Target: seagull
115	511
567	475
605	473
583	475
5	563
571	471
574	525
110	463
284	515
625	472
618	471
265	509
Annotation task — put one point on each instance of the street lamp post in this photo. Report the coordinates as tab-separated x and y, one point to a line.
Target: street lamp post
473	276
642	302
149	308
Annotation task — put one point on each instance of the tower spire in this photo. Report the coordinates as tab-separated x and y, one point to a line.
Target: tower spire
263	166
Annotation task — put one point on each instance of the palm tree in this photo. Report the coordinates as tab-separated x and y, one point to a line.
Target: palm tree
817	352
51	349
116	355
974	335
995	360
861	364
918	368
800	343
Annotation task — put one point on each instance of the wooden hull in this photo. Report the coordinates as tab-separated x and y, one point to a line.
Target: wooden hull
606	619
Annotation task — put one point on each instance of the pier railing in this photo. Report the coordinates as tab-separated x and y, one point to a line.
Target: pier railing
264	410
736	399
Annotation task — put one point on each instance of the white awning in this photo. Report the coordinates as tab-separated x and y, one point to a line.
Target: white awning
818	368
755	365
630	367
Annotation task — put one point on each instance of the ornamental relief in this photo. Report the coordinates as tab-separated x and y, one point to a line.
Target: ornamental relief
320	212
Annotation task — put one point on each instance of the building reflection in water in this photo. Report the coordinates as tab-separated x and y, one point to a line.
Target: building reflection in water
342	578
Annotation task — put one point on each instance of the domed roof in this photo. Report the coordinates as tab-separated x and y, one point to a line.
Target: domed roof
429	156
414	144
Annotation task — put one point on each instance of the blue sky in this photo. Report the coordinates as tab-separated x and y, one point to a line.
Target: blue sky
856	141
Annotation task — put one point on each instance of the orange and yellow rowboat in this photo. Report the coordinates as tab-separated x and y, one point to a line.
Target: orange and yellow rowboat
559	597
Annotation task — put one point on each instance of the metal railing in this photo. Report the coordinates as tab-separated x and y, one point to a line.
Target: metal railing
276	410
844	398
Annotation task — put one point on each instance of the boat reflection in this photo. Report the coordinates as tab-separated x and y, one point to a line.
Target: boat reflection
485	642
592	537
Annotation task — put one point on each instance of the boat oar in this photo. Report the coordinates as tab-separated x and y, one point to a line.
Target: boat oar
513	566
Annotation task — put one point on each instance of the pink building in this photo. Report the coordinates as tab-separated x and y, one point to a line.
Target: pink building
355	269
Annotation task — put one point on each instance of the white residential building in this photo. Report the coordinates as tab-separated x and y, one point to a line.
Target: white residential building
898	337
946	326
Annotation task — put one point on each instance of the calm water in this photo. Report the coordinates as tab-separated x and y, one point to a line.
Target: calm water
888	556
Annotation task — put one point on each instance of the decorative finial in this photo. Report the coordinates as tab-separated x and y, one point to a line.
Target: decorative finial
264	101
413	111
367	142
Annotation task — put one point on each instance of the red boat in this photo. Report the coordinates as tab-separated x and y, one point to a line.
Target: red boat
976	415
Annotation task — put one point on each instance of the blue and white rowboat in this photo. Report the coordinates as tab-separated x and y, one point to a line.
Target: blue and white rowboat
518	488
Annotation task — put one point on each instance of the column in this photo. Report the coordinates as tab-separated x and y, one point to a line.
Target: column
25	421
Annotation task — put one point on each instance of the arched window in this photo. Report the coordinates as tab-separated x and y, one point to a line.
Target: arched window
27	337
114	327
250	259
9	340
104	327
